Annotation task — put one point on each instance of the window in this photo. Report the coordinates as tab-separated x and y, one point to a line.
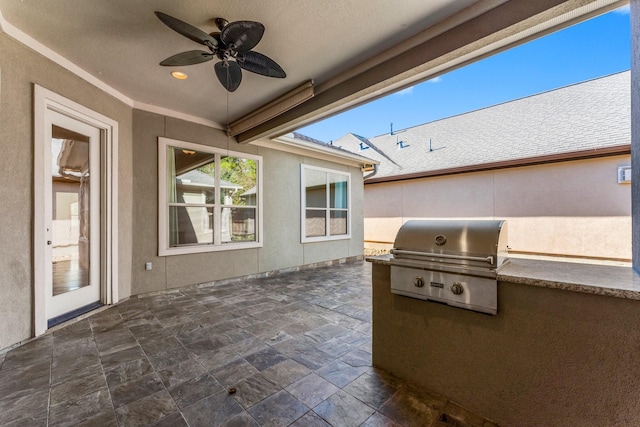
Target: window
209	199
325	204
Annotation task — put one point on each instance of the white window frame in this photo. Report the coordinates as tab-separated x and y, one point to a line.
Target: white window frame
164	249
303	206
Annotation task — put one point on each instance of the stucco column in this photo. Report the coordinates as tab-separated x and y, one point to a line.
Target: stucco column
635	132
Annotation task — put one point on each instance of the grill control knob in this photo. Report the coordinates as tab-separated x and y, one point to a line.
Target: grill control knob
418	282
457	288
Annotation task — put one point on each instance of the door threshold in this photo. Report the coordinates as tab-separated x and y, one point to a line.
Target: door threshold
71	314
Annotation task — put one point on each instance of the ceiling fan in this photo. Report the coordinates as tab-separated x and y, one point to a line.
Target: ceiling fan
232	46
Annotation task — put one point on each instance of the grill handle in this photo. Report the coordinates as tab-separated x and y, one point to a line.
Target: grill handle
488	259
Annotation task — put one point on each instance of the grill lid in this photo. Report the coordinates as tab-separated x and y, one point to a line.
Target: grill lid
481	243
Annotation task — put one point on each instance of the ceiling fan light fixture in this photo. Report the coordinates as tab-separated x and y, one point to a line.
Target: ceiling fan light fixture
179	75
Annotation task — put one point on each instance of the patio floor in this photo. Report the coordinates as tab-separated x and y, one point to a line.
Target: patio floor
290	349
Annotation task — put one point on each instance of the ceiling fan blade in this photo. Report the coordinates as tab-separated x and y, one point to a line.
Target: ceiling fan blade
187	30
188	58
229	73
260	64
243	35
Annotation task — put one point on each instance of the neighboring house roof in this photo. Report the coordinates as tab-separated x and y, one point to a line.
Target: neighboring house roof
299	136
199	179
296	142
360	144
250	192
592	115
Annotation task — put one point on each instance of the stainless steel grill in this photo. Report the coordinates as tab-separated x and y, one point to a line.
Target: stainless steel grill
454	262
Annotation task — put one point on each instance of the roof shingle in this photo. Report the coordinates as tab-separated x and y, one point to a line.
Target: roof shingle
590	115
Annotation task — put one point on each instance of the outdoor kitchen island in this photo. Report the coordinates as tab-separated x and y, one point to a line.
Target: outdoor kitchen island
562	350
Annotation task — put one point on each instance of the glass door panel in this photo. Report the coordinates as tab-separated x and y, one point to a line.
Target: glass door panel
72	217
71	210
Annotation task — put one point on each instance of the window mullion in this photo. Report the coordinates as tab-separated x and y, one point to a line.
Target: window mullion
303	202
206	205
217	211
327	189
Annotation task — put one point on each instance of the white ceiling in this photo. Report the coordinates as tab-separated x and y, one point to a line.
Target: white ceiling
121	42
353	50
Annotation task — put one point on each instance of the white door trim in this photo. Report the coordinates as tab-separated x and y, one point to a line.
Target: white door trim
45	100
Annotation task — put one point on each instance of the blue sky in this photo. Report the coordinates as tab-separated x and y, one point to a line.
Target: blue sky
594	48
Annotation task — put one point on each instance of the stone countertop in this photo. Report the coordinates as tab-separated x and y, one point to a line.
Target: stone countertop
606	280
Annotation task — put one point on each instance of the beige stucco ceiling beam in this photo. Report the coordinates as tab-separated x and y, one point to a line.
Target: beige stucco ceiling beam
500	24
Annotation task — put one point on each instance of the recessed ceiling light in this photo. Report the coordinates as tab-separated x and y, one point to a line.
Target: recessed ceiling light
179	75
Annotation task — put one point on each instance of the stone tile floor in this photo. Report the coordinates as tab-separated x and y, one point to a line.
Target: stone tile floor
288	350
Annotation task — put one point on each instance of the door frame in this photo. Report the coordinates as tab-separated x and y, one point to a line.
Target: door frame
45	100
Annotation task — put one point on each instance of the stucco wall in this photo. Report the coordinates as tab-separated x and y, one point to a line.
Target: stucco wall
635	127
20	68
281	191
177	270
569	208
549	358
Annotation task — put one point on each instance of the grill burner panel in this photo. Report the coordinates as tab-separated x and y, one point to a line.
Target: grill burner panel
452	262
473	293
